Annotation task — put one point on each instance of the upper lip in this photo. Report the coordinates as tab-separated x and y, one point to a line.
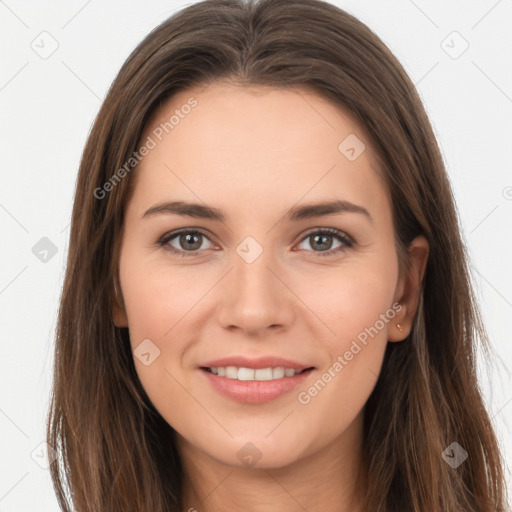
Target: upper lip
255	363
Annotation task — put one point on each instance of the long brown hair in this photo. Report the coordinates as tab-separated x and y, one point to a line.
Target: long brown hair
115	450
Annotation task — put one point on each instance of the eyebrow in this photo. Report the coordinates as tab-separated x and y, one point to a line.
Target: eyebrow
294	214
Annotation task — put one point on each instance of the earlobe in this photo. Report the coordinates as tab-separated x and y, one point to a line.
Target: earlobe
398	328
409	289
119	316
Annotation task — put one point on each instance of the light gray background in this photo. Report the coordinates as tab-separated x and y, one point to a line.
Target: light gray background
47	106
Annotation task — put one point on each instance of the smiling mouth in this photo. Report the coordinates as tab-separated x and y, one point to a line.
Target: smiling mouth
251	374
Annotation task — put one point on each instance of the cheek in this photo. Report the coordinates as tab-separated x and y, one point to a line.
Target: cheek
157	296
356	306
163	303
158	303
352	298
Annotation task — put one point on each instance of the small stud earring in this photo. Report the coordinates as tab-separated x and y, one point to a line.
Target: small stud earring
399	327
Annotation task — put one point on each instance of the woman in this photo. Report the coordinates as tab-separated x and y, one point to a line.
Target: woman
313	348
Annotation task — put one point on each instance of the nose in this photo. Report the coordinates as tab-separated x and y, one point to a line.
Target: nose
255	297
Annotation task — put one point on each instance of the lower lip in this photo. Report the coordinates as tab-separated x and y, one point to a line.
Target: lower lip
255	391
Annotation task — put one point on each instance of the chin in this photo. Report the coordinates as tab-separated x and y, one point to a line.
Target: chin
256	452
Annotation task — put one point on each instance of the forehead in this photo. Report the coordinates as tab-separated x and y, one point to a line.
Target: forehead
264	144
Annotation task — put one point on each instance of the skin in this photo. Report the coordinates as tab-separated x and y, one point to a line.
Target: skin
254	153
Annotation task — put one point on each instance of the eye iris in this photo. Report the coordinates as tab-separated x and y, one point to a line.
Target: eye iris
322	237
188	238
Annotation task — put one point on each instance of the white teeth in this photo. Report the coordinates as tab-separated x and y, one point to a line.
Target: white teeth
263	374
246	373
234	372
231	372
278	373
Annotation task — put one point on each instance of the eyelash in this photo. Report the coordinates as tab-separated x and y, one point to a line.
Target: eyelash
339	235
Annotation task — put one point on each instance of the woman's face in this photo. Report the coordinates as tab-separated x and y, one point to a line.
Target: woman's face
254	281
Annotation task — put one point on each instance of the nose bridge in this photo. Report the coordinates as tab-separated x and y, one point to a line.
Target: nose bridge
254	297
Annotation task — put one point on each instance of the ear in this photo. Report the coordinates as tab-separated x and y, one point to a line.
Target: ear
409	288
118	309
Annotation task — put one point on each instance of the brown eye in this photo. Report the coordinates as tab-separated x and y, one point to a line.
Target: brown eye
184	241
321	241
